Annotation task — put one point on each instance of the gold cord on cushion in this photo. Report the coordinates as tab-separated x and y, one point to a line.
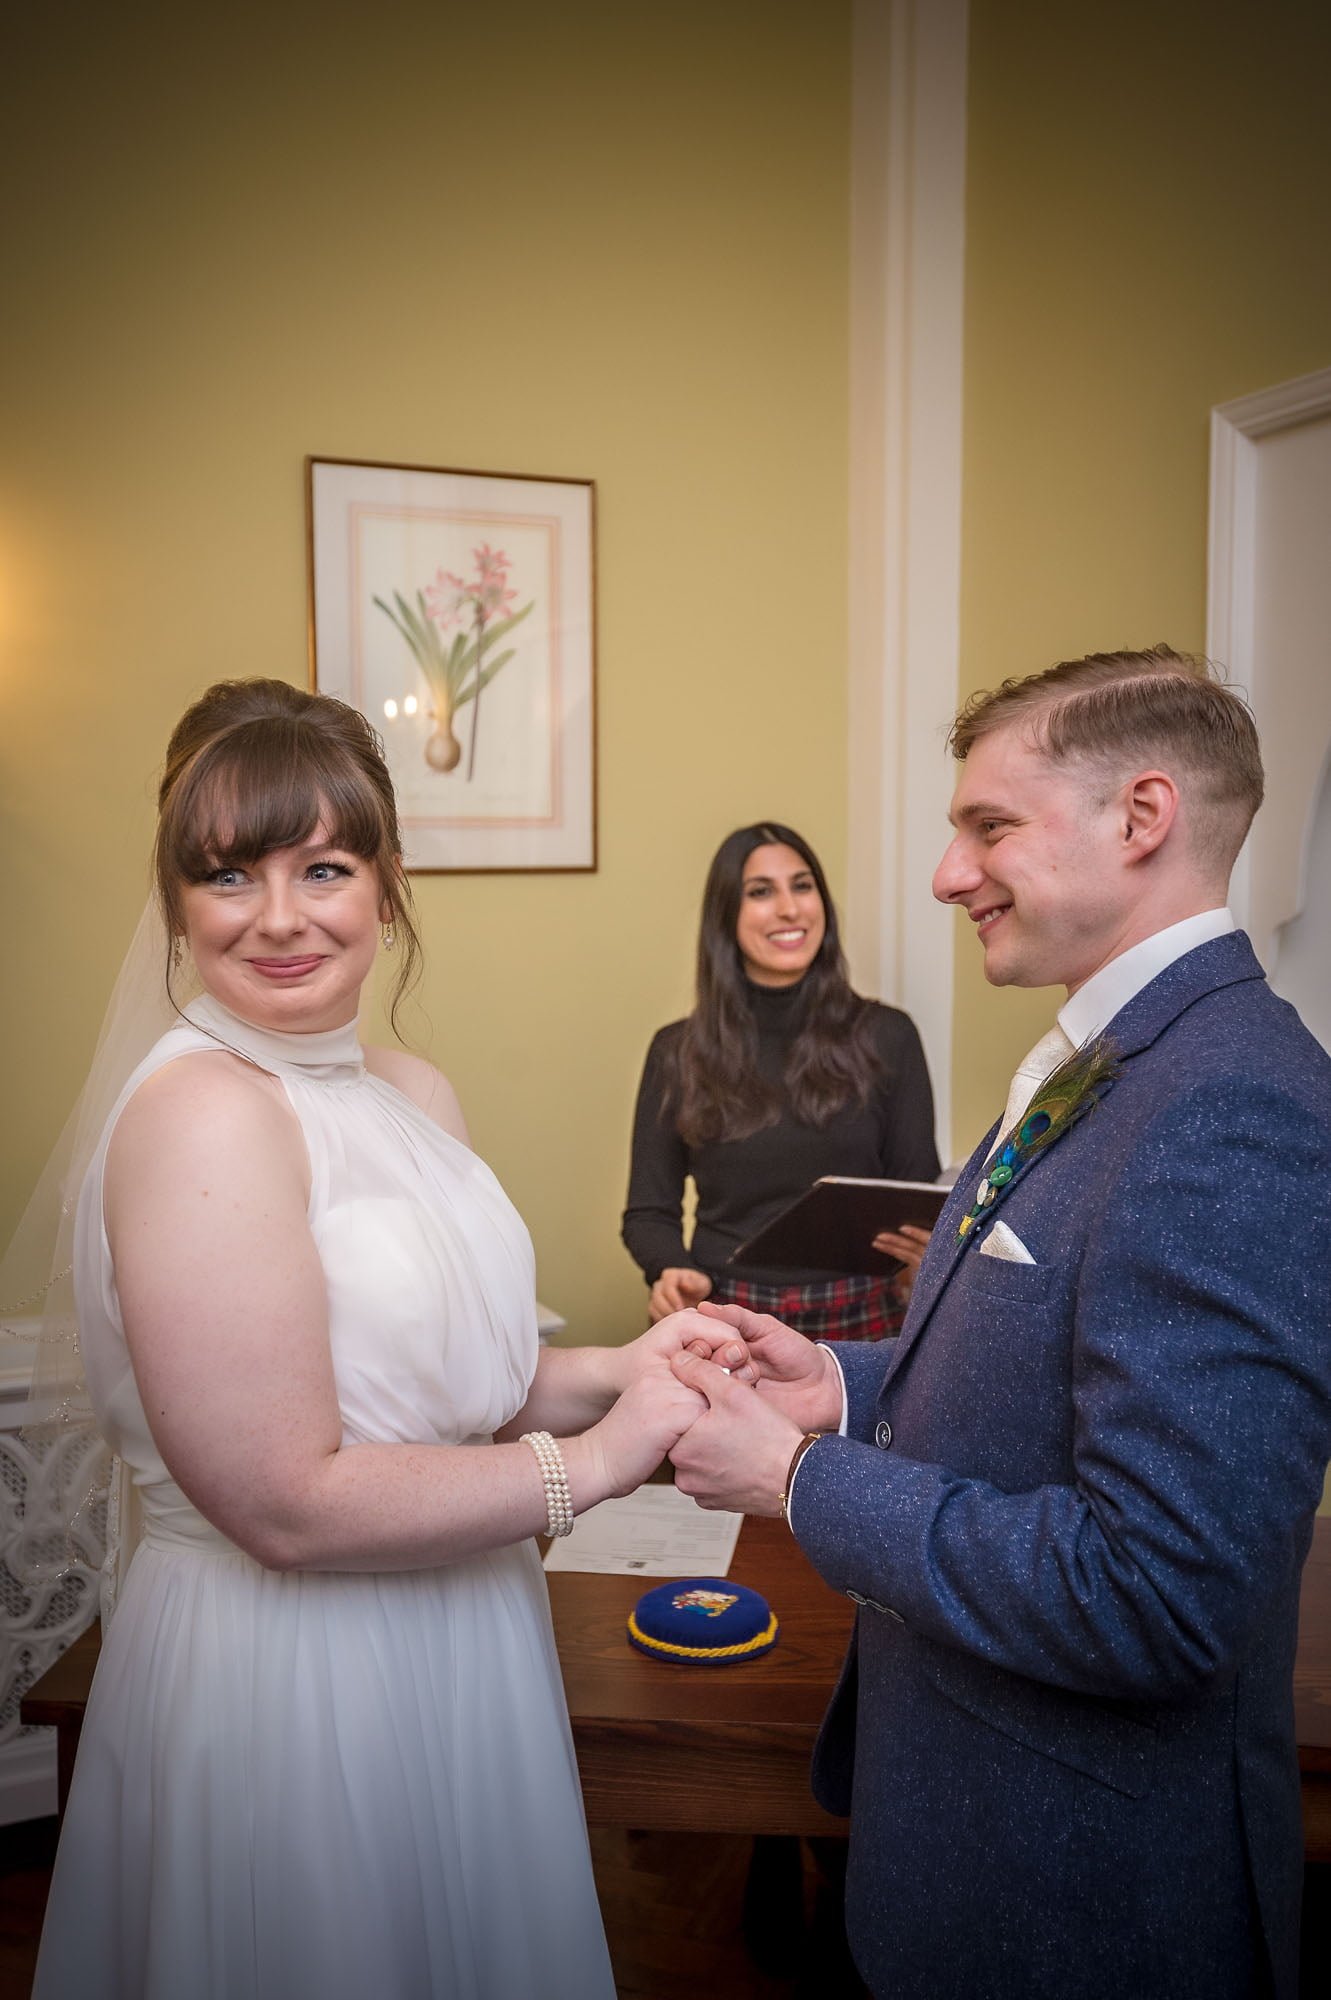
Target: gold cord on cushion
763	1638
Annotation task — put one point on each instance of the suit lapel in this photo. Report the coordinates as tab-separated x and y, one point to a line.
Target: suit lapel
940	1259
1224	961
937	1270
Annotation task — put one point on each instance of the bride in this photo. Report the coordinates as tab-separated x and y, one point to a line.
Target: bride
326	1751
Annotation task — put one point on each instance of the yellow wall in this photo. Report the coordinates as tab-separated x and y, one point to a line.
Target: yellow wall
591	240
1146	236
598	242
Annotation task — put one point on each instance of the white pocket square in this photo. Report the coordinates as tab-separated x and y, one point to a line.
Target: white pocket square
1004	1242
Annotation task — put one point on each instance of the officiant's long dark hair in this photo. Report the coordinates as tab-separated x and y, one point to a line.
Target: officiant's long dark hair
714	1088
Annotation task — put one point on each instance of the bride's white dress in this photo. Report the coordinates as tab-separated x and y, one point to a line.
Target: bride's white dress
315	1785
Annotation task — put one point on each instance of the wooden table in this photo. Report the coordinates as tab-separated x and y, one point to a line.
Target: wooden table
728	1748
724	1749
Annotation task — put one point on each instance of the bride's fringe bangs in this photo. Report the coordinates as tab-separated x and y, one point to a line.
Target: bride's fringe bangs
263	786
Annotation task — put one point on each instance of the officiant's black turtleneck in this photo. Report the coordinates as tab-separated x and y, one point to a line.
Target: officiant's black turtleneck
743	1183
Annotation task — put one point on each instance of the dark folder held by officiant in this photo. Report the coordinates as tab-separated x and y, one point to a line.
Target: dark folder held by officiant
832	1225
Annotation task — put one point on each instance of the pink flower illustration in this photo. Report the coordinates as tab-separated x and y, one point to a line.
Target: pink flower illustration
483	597
490	592
481	608
446	598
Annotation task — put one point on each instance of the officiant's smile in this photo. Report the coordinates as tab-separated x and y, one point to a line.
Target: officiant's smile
781	922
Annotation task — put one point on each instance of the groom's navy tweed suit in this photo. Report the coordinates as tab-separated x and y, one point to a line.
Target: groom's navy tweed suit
1064	1731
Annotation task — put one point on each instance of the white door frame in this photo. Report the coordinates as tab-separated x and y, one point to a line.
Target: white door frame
1232	555
907	239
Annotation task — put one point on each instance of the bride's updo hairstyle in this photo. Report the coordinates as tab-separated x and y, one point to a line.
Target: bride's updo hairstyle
256	765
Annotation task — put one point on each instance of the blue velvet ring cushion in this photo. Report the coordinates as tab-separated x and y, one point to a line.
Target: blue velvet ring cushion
702	1621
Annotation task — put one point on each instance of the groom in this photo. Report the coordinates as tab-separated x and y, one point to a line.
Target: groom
1074	1499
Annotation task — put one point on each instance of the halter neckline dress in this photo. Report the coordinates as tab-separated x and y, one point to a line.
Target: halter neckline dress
320	1785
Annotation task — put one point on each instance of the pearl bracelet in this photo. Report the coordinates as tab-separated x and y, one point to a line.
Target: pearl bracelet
554	1478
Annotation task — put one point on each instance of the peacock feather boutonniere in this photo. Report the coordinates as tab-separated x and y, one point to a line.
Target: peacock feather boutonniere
1066	1095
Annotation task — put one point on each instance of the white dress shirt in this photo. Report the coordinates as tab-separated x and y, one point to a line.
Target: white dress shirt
1094	1005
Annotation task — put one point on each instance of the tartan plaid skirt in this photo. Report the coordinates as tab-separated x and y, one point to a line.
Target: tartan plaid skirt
833	1309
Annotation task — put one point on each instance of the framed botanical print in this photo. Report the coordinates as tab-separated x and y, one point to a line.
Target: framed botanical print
457	611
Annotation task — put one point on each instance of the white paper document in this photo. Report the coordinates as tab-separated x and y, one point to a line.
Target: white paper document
657	1531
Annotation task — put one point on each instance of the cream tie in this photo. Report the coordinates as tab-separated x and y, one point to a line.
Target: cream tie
1051	1050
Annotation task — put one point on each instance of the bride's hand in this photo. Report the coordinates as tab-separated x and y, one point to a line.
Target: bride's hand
687	1332
633	1437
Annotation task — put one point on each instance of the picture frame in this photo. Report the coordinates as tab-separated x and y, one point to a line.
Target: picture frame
457	611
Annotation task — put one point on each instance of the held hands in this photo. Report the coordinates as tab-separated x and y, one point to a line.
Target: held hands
792	1374
737	1454
727	1394
653	1408
714	1339
677	1288
647	1422
737	1450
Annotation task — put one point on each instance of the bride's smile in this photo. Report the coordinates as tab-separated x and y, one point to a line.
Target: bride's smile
288	940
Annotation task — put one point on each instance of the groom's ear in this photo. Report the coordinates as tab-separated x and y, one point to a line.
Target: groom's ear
1150	804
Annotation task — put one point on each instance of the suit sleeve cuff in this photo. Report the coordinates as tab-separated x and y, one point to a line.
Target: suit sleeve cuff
841	1427
828	1348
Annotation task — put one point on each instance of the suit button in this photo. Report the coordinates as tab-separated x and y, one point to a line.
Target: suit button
883	1435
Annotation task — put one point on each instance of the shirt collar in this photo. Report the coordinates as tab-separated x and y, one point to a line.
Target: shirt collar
1094	1005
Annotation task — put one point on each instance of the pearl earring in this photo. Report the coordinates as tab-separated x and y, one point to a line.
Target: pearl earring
388	936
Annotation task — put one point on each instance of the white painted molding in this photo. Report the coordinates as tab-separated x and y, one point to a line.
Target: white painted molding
1281	407
1236	430
908	164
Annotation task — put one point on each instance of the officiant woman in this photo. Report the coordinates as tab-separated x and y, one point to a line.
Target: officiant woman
782	1073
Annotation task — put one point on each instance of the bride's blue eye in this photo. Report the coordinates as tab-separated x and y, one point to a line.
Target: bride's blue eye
224	878
327	871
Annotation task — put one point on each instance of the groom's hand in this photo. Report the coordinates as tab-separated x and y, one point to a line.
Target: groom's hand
738	1451
792	1374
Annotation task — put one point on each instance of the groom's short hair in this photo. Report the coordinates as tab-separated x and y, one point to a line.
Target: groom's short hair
1118	710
